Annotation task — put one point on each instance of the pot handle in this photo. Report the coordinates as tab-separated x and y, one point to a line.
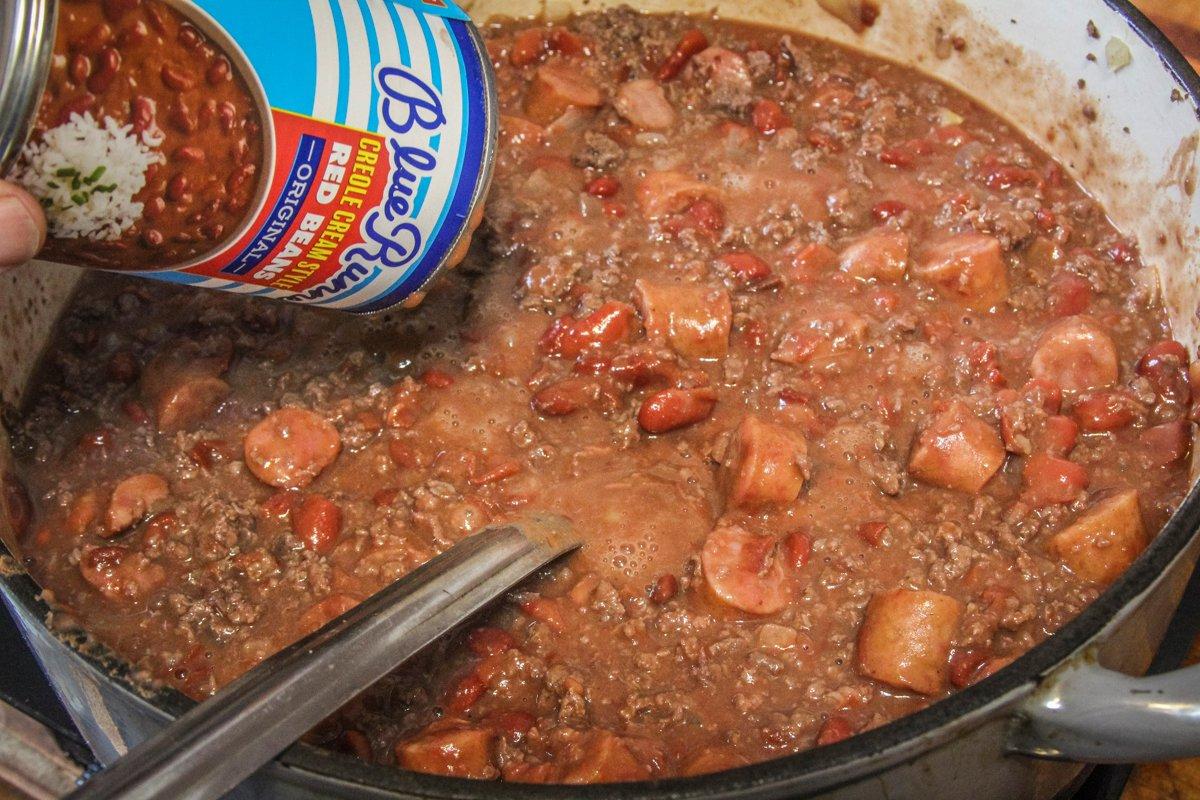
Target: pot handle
1084	712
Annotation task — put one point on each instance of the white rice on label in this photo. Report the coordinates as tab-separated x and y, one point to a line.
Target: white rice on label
86	175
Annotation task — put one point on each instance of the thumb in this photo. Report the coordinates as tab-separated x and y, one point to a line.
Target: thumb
22	225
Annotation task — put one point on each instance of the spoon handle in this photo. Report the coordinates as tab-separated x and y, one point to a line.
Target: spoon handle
225	739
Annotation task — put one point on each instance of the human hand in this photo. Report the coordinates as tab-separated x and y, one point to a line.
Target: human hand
22	225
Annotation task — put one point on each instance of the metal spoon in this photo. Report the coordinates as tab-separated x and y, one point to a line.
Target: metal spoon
225	739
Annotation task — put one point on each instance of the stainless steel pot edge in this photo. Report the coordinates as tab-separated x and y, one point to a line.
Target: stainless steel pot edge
26	44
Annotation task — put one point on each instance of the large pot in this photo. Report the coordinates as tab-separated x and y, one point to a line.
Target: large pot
1132	136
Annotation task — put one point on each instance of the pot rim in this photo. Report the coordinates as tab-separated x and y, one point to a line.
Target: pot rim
813	770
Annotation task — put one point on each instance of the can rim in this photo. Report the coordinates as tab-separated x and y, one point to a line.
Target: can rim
26	45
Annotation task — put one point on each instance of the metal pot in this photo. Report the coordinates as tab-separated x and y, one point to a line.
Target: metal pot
1131	134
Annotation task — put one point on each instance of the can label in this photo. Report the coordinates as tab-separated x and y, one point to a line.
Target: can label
326	152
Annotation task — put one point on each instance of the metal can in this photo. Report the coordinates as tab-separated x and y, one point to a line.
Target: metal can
327	152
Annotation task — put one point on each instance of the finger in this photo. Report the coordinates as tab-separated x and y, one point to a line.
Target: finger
22	225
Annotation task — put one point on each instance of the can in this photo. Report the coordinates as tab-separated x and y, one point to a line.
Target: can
333	153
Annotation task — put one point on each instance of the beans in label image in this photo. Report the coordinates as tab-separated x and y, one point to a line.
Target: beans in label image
333	153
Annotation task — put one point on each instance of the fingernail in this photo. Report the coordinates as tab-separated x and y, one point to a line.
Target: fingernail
20	233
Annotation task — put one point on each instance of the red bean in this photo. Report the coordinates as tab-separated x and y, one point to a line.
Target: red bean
158	17
181	117
108	63
214	231
152	237
671	409
219	71
115	9
690	44
189	154
98	37
134	35
141	113
123	367
177	187
208	112
872	532
15	500
490	641
176	78
318	523
834	730
189	37
665	588
80	68
153	208
797	549
227	116
603	186
241	176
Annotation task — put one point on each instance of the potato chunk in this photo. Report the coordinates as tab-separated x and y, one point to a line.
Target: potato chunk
905	639
558	87
450	747
1077	354
643	103
606	758
766	465
957	451
967	268
1104	541
183	385
693	319
881	254
661	194
132	499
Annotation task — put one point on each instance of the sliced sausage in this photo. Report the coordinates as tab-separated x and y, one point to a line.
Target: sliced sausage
766	465
968	268
85	509
661	194
558	87
183	384
713	759
957	451
132	499
726	75
745	571
695	320
450	747
905	639
291	447
880	255
822	339
1077	354
1105	540
605	758
189	401
120	574
644	103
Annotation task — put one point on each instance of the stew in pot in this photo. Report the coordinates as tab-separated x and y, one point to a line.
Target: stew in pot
853	393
